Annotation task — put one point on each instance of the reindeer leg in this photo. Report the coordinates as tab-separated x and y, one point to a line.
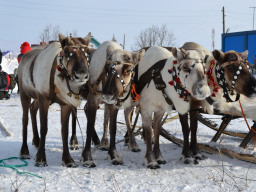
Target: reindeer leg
25	102
193	145
73	140
95	138
33	112
132	142
43	107
158	116
150	161
66	158
187	155
113	155
90	111
104	146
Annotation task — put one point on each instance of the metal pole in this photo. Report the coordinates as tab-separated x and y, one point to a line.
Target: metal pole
253	15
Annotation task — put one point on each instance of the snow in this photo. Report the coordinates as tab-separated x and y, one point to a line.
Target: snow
216	173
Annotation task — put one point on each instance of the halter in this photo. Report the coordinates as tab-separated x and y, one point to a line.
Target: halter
64	72
222	80
112	71
181	89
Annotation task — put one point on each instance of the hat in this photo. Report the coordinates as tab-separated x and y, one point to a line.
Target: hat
25	47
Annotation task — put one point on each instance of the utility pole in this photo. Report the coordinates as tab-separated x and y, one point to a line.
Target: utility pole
124	42
253	16
223	19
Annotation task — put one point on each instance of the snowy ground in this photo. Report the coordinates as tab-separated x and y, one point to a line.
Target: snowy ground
217	173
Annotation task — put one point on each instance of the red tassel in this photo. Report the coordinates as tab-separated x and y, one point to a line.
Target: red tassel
215	90
135	95
59	68
177	80
213	95
181	96
171	83
174	61
187	92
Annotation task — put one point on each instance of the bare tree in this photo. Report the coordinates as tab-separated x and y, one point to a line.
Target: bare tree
45	34
50	33
55	33
155	35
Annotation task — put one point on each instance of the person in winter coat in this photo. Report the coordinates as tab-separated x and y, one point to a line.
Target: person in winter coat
1	55
4	91
24	48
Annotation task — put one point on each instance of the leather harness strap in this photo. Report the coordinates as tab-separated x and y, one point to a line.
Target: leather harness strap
154	73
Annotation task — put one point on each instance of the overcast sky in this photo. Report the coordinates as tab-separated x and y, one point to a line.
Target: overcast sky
189	20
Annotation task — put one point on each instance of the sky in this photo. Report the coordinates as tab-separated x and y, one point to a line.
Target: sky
188	20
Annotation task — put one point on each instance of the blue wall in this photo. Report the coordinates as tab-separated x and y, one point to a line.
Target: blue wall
240	41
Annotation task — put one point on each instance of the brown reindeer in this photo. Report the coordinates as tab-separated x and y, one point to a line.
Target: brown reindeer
239	80
109	63
53	74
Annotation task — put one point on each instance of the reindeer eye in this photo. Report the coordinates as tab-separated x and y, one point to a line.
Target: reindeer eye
185	68
231	68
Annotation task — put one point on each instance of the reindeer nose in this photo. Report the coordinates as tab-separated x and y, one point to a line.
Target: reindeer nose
81	76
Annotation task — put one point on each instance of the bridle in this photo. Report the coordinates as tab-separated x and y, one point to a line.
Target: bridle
63	70
113	72
220	75
179	88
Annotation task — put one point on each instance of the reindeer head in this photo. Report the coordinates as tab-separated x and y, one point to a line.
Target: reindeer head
237	71
74	57
119	73
191	71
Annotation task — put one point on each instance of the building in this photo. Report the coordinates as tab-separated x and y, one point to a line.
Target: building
241	41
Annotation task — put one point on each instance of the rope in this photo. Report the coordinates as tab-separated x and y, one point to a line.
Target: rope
14	167
250	128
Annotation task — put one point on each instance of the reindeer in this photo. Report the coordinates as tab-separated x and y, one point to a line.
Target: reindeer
228	74
53	74
109	63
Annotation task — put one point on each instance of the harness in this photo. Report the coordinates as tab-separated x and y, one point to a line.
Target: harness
154	73
220	76
112	71
64	72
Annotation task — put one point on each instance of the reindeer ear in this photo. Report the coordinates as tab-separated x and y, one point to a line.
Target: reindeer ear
138	55
178	54
218	55
110	49
61	37
244	54
88	38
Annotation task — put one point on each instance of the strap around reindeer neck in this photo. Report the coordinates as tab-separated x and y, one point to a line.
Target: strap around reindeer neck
177	83
223	83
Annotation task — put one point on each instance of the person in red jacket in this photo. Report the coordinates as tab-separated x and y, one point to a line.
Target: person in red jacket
24	48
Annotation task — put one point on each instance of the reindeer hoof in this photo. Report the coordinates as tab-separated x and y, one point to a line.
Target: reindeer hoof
24	156
70	165
161	161
117	161
200	156
74	147
153	166
103	148
41	164
189	160
89	164
135	150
